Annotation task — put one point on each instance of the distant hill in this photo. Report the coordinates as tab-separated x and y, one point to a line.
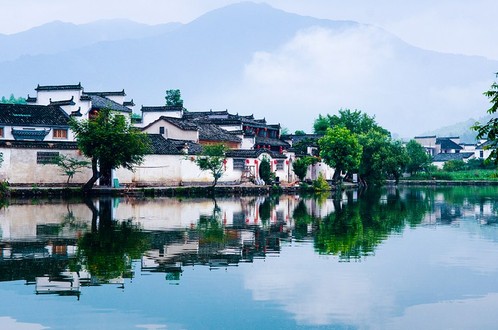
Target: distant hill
255	59
57	36
461	129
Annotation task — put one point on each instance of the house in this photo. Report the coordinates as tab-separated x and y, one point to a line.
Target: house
483	149
440	159
443	149
151	113
171	162
245	164
78	103
255	133
37	133
34	123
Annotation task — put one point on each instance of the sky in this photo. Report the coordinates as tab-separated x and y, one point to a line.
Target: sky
452	26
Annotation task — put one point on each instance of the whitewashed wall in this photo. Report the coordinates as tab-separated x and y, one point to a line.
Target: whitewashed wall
172	131
20	166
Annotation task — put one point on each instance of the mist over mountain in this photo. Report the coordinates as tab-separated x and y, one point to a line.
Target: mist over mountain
59	36
252	58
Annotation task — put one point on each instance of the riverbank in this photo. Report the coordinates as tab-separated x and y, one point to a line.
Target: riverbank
30	191
20	191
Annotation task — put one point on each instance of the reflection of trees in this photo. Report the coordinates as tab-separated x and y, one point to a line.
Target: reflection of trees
302	219
107	250
354	229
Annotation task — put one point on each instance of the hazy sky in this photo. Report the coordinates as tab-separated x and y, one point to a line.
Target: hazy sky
455	26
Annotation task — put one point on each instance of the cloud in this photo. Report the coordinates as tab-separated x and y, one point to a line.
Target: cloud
318	71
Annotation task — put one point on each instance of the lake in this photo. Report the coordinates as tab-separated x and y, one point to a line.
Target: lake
394	258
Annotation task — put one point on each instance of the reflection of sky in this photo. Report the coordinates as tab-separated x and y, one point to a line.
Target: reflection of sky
425	267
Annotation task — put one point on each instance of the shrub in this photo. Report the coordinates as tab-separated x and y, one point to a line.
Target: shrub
321	184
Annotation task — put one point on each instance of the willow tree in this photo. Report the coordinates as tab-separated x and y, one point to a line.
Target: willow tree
110	141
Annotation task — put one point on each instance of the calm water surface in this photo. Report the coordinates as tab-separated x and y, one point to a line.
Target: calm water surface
407	258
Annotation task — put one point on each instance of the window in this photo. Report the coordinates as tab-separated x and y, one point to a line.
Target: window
280	164
46	157
481	154
1	132
60	133
161	130
238	163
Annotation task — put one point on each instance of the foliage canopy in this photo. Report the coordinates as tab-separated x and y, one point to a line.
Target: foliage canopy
110	141
212	159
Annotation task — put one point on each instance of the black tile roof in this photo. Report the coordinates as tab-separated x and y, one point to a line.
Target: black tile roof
212	132
99	102
452	156
85	98
129	103
30	99
202	114
76	113
425	137
32	115
485	145
253	153
272	142
164	108
58	87
104	94
30	134
298	138
63	102
180	123
39	144
163	146
447	144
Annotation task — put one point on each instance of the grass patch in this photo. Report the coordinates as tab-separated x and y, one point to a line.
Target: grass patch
468	175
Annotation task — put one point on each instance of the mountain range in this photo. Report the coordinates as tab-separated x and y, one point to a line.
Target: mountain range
255	59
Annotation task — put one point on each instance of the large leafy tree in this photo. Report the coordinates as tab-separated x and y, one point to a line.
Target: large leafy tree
382	157
174	97
212	159
339	148
418	159
355	121
397	160
110	141
489	130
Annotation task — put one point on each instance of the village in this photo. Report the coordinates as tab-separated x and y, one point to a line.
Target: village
35	133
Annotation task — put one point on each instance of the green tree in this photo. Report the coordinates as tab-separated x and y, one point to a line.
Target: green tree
418	159
339	148
212	159
300	167
397	160
110	141
70	166
355	121
489	130
174	98
265	172
299	132
13	100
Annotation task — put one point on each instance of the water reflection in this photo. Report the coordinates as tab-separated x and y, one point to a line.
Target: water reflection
67	247
63	244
